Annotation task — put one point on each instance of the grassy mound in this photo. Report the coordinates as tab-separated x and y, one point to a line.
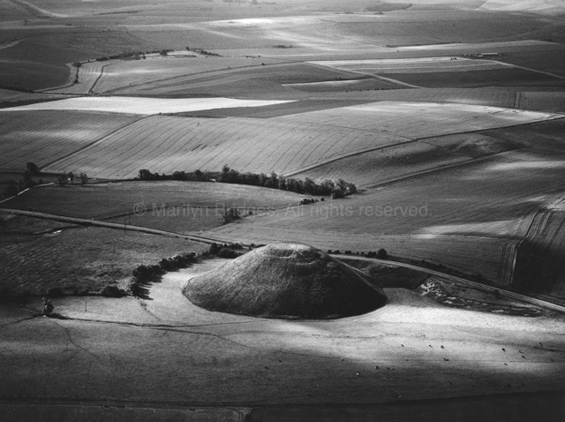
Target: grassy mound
285	281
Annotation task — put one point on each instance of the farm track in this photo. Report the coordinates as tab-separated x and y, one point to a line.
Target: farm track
100	76
105	224
529	69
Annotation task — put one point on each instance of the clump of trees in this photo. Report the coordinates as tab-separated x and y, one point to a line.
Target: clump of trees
232	250
336	188
132	55
66	178
380	254
31	178
230	214
13	187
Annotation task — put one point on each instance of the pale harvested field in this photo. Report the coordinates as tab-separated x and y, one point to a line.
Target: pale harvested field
514	46
286	144
348	85
88	75
143	106
44	136
166	144
419	120
549	6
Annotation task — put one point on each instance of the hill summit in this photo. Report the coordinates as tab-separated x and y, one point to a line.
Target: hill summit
285	281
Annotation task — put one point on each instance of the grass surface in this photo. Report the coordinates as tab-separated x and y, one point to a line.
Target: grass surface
412	348
45	136
78	260
152	200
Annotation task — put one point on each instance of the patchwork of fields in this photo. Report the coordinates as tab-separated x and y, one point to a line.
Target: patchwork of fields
287	144
448	116
448	71
488	203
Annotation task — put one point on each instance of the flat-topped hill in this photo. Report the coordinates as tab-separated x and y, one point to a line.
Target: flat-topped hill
285	281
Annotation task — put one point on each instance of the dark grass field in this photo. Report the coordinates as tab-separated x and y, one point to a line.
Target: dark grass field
103	201
77	260
477	79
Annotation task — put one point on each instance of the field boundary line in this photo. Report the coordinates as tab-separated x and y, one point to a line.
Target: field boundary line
390	80
42	168
352	154
73	73
331	160
545	208
471	161
203	73
102	68
528	69
9	44
517	99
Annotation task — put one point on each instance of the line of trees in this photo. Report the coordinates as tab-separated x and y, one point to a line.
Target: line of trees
13	187
336	188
